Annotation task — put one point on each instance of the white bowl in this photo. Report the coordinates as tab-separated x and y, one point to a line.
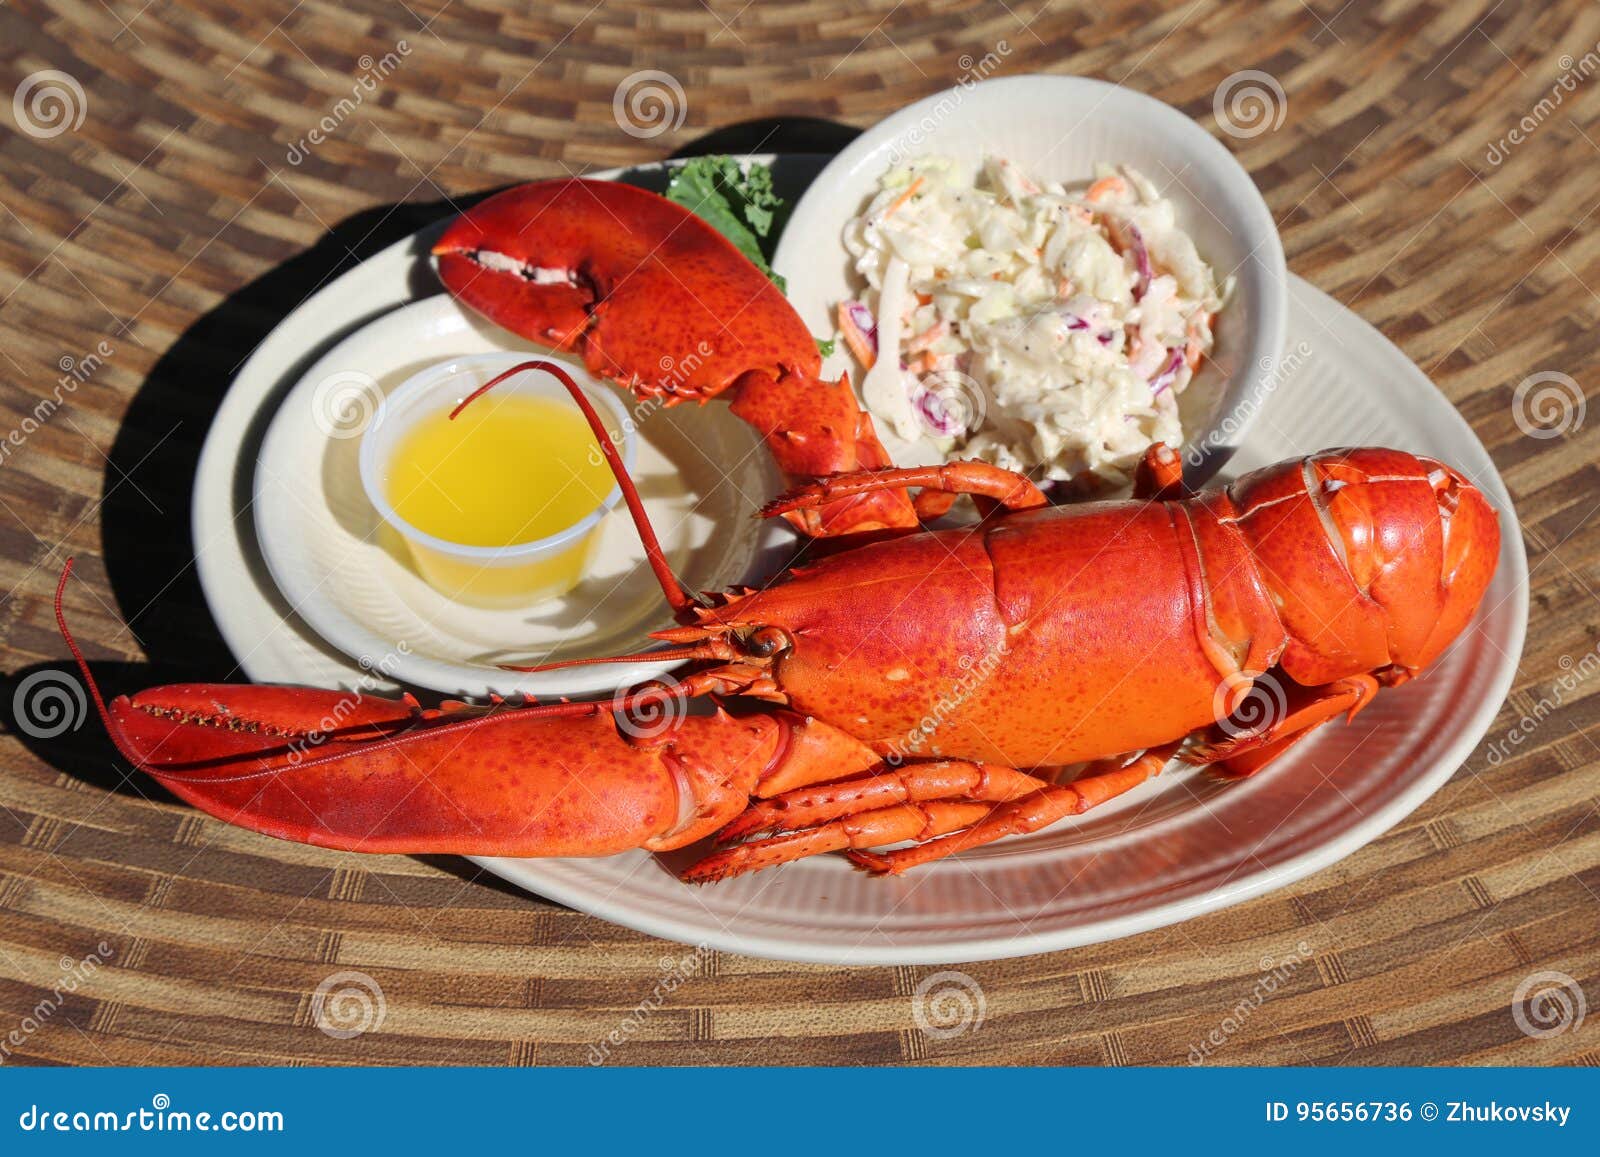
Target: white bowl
1058	128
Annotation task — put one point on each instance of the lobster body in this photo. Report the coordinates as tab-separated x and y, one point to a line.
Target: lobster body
1063	634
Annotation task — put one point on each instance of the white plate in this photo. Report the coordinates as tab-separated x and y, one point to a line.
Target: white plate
1177	847
703	474
1058	128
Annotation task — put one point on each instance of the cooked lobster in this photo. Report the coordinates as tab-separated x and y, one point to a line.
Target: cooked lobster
654	298
927	687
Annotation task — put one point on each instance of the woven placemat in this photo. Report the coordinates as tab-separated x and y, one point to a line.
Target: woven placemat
181	176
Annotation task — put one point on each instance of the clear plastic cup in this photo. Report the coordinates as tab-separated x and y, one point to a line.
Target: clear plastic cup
489	576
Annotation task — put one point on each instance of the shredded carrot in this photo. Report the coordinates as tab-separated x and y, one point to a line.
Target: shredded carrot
1105	187
1199	327
1065	287
924	299
926	362
928	336
903	198
854	339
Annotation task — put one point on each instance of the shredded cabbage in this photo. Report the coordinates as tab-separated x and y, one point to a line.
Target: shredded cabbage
1052	329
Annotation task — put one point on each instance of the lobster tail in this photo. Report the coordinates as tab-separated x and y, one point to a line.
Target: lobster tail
1375	559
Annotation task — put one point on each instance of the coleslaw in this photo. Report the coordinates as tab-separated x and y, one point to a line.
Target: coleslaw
1045	330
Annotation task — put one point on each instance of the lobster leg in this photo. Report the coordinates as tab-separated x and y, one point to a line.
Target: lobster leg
943	779
1306	709
923	803
980	479
1028	814
891	825
1159	475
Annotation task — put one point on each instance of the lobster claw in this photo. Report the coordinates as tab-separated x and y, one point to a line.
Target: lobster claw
653	298
368	774
195	723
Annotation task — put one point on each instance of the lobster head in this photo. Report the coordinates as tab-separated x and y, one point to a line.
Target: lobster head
1375	559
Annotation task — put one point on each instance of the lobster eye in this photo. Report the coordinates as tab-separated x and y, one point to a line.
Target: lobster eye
766	642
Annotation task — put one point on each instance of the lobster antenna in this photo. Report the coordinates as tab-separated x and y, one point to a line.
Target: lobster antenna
113	728
677	595
706	649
